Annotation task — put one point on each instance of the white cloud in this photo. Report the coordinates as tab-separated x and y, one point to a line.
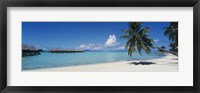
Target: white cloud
111	41
83	46
156	40
121	48
91	46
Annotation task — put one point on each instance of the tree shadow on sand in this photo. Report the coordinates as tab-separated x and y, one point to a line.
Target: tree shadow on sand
142	63
174	58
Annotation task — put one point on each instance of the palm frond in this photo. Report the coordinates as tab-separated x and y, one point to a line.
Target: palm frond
125	37
137	38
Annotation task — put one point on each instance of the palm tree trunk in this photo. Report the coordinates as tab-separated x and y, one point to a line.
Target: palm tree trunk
167	51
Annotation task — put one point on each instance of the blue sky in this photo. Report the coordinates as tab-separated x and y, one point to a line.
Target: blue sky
85	35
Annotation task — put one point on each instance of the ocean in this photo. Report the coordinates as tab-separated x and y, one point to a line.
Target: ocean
50	60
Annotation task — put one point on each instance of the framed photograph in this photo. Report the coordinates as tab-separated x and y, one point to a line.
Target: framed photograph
99	46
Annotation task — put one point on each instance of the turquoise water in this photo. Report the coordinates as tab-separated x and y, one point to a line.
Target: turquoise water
48	60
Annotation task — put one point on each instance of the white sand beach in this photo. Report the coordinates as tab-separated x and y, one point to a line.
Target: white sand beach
169	63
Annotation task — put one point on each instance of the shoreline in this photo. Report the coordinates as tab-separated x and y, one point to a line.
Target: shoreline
168	63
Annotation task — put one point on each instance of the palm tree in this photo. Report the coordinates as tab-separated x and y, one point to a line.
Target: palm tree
137	38
172	33
163	48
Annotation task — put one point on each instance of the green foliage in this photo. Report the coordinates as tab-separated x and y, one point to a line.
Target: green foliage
163	47
172	33
137	38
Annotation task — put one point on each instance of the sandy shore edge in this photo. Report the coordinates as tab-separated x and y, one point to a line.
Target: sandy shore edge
168	63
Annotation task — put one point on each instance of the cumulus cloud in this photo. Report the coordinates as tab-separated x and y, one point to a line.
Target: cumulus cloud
111	41
121	48
91	46
156	40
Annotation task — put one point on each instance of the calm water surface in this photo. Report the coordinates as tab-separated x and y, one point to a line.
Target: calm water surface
48	60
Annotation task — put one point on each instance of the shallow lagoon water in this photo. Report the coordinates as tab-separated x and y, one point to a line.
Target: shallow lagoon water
49	60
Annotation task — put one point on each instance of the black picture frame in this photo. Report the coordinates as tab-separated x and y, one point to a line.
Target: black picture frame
98	3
